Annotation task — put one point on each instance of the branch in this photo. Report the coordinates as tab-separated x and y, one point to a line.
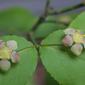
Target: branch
68	9
46	8
58	22
43	16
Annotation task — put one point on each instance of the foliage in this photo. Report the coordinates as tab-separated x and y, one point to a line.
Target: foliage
20	74
60	63
16	20
46	28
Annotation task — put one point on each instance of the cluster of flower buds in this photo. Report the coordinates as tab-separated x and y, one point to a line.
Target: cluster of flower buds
74	39
8	54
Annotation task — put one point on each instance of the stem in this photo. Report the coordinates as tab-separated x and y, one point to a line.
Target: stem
58	22
69	9
46	8
43	16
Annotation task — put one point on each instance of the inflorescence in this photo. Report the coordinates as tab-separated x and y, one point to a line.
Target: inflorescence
75	39
8	54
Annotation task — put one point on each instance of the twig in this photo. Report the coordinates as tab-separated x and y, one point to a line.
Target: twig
32	39
58	22
43	16
46	9
68	9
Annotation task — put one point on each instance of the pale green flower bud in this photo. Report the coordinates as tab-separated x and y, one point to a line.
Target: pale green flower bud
67	41
77	49
5	65
12	44
15	57
69	31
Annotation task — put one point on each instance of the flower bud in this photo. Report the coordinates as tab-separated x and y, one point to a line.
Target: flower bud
69	31
77	49
15	57
5	65
67	41
12	44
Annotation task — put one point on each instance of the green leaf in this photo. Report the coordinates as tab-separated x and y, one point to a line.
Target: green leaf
30	82
62	65
16	20
24	70
46	28
50	80
65	69
79	22
65	19
54	38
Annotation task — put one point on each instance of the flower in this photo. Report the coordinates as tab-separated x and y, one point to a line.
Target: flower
5	53
8	54
75	39
78	37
